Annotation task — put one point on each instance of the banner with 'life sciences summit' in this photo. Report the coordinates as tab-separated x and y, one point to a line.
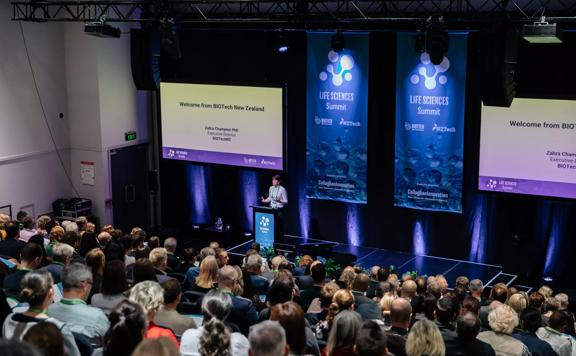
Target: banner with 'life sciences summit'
337	118
430	104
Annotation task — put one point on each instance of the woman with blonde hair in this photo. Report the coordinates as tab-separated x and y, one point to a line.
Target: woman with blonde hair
425	339
207	277
518	302
342	300
502	320
386	306
347	278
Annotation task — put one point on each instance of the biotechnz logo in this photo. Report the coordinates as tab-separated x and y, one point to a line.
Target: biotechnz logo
340	68
437	77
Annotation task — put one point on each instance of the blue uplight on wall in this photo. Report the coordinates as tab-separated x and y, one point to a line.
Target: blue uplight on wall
353	225
477	228
198	195
419	239
557	245
304	213
249	181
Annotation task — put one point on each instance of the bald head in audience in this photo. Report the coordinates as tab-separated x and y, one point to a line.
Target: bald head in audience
408	289
400	313
227	277
361	282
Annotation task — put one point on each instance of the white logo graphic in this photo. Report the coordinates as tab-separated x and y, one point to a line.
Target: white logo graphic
437	128
491	184
430	81
322	121
171	153
339	68
264	221
344	122
413	127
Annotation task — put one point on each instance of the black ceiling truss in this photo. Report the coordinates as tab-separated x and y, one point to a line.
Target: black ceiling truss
328	12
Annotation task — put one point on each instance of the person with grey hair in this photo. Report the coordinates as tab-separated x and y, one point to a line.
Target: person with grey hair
503	319
343	332
214	337
71	227
72	309
61	257
476	288
268	338
174	262
159	259
150	296
81	222
254	269
564	302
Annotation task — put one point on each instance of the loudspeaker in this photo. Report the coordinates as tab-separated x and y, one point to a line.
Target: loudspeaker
144	59
498	59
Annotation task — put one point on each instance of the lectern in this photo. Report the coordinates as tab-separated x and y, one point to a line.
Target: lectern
266	225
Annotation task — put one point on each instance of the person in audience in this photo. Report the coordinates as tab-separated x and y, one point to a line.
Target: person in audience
503	320
221	257
127	329
304	262
550	306
408	290
530	322
300	338
214	245
143	271
41	225
343	334
28	229
167	316
71	238
386	305
564	302
103	239
114	284
83	319
214	337
546	291
238	288
156	347
306	281
96	260
466	344
11	246
243	312
47	337
446	313
518	302
82	223
254	269
88	242
174	262
194	271
400	317
307	295
476	288
208	275
536	300
553	334
342	300
37	291
153	242
268	338
319	308
370	340
347	278
55	236
30	259
470	304
18	348
71	227
188	259
159	259
150	296
61	257
425	339
282	290
366	307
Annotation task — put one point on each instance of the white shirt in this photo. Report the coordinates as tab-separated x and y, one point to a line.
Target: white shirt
190	342
26	234
277	197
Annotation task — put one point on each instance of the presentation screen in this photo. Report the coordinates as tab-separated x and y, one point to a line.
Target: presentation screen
529	148
223	124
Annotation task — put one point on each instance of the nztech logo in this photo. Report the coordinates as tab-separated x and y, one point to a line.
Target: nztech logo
344	122
437	77
437	128
264	221
340	68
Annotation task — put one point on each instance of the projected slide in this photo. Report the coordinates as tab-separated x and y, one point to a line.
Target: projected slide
222	124
529	148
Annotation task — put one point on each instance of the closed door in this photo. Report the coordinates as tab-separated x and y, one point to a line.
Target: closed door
130	187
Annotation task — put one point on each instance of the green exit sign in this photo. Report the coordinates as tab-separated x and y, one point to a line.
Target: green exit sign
130	136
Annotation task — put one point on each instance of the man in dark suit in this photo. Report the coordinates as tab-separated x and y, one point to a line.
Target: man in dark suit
366	307
530	322
468	327
400	317
309	294
254	268
446	312
243	312
174	261
11	246
159	259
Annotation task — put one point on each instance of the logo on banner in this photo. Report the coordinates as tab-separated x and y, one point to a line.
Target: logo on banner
344	122
339	68
413	127
264	221
171	153
323	121
437	128
492	184
430	81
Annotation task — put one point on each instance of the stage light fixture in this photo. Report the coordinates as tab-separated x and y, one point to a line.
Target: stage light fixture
338	42
437	42
542	32
282	43
101	29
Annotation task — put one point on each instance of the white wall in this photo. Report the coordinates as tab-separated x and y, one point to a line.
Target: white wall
30	172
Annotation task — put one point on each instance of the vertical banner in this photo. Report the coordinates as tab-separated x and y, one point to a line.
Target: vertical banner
430	103
337	118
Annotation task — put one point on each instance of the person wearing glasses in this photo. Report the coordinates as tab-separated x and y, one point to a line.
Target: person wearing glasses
72	309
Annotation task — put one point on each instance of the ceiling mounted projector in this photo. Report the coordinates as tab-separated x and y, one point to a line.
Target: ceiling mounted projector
100	29
542	32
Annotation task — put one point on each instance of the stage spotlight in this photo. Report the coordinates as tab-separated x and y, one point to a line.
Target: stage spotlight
101	29
542	32
437	43
548	279
338	42
282	43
